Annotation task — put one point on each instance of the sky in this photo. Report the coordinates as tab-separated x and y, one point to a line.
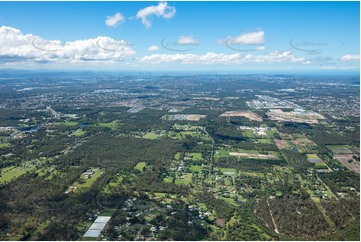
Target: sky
181	36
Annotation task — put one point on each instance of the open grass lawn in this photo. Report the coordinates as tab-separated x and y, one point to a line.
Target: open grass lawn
312	156
340	149
195	168
151	135
168	179
188	134
3	145
222	153
320	165
9	173
67	123
263	141
177	156
249	173
78	132
115	182
228	171
140	166
184	179
187	127
112	125
84	182
193	156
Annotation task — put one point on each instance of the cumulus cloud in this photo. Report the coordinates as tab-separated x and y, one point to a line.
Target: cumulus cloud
25	48
250	38
187	40
153	48
161	10
349	57
212	58
114	20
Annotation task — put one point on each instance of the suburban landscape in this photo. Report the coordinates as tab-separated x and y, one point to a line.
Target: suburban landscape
179	120
152	156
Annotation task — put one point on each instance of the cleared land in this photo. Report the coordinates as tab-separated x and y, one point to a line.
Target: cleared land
247	114
305	117
352	166
140	166
251	155
282	144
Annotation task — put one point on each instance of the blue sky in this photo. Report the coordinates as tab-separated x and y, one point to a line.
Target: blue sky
222	36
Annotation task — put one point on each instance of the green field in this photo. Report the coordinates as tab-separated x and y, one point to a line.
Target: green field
340	149
3	145
228	170
177	156
140	166
187	127
188	134
252	153
67	123
116	181
312	156
150	135
9	173
248	173
196	156
78	132
85	182
112	125
168	179
263	141
195	168
184	180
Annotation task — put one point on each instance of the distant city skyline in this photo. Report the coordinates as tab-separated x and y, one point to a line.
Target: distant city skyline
181	36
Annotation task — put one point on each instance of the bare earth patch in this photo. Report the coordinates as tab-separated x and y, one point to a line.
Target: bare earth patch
246	114
282	144
354	167
250	155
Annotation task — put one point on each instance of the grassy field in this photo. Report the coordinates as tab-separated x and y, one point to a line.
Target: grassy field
227	170
263	141
247	173
187	127
3	145
78	132
312	156
67	123
12	172
85	181
196	156
245	154
177	156
115	182
188	134
168	179
112	125
195	168
340	149
140	166
150	135
184	180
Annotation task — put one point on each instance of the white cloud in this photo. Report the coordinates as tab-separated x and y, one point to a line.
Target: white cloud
153	48
348	57
161	10
187	40
250	38
114	20
212	58
261	48
28	48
